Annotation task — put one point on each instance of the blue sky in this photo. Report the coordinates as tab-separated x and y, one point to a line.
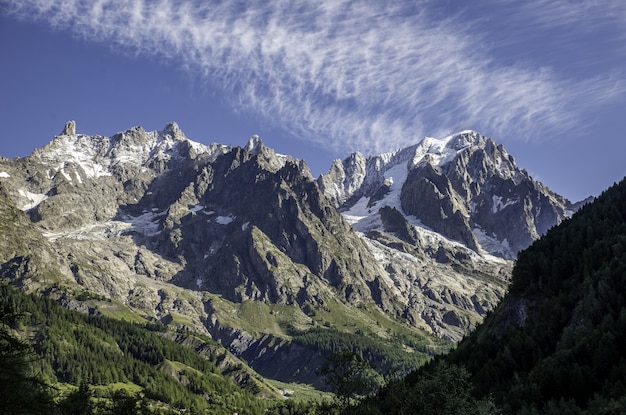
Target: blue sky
321	79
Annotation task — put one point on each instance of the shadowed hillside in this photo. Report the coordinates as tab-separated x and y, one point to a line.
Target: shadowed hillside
555	344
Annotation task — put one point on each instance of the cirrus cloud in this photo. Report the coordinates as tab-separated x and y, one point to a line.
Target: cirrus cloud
347	75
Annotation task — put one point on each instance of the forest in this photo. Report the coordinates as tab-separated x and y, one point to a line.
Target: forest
556	344
113	362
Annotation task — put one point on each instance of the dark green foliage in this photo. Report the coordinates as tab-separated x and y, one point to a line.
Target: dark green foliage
350	377
437	389
290	407
22	389
557	343
123	403
78	402
389	359
94	350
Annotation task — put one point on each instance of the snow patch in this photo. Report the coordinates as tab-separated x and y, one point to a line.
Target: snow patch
498	203
245	226
225	220
364	218
493	245
196	208
4	174
80	150
394	177
200	148
443	150
34	199
67	176
91	232
436	149
146	224
361	217
94	170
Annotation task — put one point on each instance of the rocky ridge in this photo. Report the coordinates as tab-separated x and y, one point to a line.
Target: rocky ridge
464	187
243	245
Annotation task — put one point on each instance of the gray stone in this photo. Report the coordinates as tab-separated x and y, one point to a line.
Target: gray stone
69	129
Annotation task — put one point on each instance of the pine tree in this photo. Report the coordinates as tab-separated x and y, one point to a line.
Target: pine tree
22	391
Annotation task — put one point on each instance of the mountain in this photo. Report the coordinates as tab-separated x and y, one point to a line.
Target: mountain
555	344
406	251
464	187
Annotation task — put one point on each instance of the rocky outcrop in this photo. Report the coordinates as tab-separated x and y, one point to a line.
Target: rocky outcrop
343	179
429	196
272	357
292	234
69	129
394	222
26	256
464	187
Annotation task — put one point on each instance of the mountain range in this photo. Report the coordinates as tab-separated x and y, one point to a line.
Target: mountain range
408	249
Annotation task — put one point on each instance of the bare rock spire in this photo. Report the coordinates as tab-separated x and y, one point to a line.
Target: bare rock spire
70	128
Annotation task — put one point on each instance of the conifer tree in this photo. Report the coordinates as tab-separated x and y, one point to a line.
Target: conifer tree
22	391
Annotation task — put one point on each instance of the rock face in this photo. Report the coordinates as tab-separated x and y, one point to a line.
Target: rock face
464	187
69	129
243	245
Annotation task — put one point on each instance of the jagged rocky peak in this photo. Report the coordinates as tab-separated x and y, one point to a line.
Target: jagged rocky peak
254	145
69	129
269	160
173	129
145	144
467	138
465	187
167	137
343	178
95	155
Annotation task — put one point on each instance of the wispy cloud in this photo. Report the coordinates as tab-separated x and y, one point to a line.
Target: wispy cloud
585	15
347	75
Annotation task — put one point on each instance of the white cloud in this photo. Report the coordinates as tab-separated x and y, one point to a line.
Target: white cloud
347	75
587	15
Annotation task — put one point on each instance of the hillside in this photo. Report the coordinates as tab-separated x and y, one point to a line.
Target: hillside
555	344
171	370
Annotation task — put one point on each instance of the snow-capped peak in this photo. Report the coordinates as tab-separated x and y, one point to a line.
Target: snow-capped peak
477	180
356	173
173	129
439	151
96	154
254	145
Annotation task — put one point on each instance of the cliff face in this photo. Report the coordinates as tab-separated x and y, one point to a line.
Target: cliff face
464	187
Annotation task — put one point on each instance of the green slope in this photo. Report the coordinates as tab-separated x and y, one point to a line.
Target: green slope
110	354
556	344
